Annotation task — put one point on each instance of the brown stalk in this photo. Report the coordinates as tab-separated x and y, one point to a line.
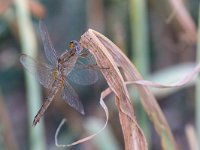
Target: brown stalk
191	137
147	98
184	19
8	130
133	135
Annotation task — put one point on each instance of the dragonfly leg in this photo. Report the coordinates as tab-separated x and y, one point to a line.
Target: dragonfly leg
42	110
104	67
92	66
96	66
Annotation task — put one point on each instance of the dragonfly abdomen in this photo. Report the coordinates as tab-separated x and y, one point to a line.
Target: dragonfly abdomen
47	102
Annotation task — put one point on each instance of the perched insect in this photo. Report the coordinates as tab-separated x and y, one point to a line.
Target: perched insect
55	75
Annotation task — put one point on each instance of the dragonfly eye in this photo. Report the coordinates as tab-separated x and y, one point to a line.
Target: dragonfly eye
74	44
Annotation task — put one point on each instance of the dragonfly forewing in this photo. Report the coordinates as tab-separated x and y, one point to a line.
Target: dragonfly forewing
70	96
83	74
43	73
85	70
86	57
48	46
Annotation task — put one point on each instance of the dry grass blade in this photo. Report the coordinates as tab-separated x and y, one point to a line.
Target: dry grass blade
185	20
103	105
133	135
191	137
188	78
109	55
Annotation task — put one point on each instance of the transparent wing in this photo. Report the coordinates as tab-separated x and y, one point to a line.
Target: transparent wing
86	57
85	70
43	73
48	46
71	98
83	74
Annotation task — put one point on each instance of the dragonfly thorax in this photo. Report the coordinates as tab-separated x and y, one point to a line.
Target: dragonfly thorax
67	61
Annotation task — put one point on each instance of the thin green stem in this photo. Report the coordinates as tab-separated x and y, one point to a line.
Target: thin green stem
29	46
140	50
139	32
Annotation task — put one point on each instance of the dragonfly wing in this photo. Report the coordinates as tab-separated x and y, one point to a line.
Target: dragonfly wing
86	57
83	74
85	70
43	73
71	98
48	46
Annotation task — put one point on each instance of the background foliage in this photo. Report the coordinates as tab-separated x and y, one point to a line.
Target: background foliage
160	37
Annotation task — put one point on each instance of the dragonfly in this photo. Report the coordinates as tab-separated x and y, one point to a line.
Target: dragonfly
56	74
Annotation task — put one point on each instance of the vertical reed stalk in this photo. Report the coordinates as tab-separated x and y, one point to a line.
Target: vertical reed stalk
29	46
140	50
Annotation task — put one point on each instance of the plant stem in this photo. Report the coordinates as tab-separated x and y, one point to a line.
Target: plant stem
140	50
29	46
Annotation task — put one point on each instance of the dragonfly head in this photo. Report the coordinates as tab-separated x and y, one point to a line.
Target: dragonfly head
75	45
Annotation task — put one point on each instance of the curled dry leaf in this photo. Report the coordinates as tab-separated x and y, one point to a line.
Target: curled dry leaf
103	105
133	135
107	54
188	78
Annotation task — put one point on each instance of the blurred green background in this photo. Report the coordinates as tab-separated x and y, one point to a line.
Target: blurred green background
160	38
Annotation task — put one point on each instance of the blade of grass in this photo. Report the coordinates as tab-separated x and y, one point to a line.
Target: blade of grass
103	105
133	135
197	93
169	75
105	140
139	32
140	51
184	20
29	46
191	137
147	98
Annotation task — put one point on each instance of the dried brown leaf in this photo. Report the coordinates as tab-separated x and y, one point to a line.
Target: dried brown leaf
103	105
184	19
133	135
188	78
191	136
108	54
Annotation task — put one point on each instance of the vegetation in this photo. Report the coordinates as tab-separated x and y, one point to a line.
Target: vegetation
161	43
